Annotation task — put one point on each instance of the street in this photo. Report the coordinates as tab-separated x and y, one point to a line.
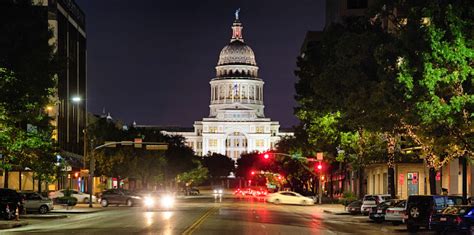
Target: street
210	216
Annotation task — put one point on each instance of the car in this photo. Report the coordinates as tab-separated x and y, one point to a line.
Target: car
159	200
10	201
309	194
218	191
120	196
288	197
192	191
80	196
371	201
420	209
396	212
33	201
354	207
454	218
378	213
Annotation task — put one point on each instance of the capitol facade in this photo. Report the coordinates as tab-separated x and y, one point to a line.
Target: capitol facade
236	122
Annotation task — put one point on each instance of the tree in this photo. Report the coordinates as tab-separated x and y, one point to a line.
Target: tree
193	177
27	81
218	165
436	74
346	78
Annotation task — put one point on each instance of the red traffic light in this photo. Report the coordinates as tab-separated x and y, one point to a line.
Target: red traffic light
252	173
266	156
320	167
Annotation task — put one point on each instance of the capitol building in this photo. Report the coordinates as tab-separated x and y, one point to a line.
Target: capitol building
236	122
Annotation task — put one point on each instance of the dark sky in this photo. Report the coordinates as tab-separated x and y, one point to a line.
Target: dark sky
151	61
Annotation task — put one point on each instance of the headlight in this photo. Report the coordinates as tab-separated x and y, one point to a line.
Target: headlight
167	201
149	202
215	191
220	191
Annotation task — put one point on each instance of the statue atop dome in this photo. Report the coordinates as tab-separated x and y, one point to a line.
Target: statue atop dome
237	14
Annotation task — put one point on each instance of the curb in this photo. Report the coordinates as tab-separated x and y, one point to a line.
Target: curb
336	213
14	224
33	216
73	211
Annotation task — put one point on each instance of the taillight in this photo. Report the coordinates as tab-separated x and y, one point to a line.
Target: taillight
458	220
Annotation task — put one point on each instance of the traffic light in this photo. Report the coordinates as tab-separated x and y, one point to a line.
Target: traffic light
266	156
252	173
320	167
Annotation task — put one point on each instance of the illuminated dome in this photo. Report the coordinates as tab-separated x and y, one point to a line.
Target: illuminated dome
237	52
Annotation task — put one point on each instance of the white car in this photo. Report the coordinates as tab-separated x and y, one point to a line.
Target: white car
288	197
371	201
81	197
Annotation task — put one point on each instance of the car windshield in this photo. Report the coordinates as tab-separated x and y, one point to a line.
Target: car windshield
369	198
400	204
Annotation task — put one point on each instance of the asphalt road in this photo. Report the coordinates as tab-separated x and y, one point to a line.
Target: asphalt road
210	216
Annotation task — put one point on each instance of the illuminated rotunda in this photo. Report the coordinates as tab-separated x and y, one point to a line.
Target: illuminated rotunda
236	122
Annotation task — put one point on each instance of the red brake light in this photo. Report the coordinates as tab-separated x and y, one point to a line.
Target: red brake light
458	220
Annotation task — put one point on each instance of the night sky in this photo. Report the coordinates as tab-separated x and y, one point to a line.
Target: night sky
151	61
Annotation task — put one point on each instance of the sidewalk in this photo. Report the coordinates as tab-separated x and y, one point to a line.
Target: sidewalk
77	209
6	224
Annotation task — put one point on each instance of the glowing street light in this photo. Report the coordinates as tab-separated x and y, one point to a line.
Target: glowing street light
76	99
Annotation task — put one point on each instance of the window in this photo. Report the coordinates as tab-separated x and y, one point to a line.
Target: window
199	145
212	143
356	4
259	129
259	143
213	129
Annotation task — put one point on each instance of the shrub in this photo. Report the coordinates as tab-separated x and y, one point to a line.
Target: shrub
347	198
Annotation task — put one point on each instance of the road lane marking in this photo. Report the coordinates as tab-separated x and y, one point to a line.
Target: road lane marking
199	221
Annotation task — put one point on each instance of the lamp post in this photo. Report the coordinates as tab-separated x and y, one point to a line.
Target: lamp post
77	100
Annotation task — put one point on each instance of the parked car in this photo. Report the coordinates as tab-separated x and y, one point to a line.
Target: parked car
192	191
378	213
80	196
354	207
396	212
288	197
454	218
35	202
420	208
371	201
10	200
120	196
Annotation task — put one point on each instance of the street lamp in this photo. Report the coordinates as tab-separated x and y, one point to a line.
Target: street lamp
77	100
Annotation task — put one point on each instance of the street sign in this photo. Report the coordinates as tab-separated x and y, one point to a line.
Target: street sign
138	142
319	156
156	147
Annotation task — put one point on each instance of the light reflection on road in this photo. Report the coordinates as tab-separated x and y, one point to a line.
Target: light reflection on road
149	218
167	215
